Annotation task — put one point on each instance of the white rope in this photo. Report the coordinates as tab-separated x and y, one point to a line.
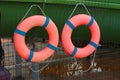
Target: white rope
73	10
91	65
39	70
42	67
34	5
86	9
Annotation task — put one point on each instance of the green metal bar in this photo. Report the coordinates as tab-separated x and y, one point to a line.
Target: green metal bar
102	4
96	3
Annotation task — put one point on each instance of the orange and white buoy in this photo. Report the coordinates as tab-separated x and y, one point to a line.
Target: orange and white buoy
24	27
80	19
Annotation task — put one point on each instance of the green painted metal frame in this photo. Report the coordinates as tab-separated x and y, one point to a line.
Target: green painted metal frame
107	16
96	3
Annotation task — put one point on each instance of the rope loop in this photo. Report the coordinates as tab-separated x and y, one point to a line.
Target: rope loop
84	6
34	5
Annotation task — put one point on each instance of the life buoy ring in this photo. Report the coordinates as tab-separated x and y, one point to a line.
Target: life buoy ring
24	27
70	49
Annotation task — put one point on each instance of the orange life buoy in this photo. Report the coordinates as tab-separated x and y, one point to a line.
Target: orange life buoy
24	27
80	19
